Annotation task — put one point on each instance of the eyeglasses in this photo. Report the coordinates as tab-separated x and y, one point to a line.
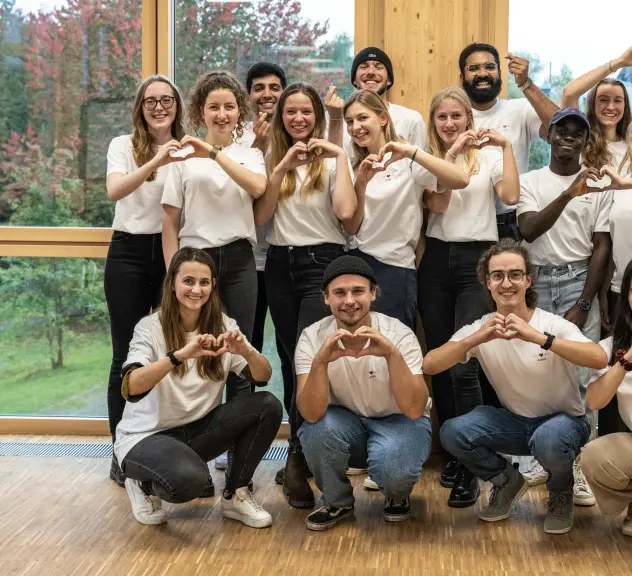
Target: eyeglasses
498	276
488	67
165	101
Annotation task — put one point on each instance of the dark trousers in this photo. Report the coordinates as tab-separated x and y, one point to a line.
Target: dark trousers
450	297
397	294
134	272
173	464
294	276
609	420
508	226
257	341
237	282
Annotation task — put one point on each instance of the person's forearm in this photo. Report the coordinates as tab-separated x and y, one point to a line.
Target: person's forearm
143	379
335	133
352	226
602	390
448	174
265	206
438	203
575	88
544	107
254	184
170	240
123	186
607	281
586	354
508	189
410	392
260	368
446	356
534	224
598	263
343	197
313	398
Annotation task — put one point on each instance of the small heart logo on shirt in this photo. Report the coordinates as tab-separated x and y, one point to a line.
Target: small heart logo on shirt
371	373
388	176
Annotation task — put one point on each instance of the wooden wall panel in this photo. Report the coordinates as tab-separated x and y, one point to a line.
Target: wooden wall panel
369	24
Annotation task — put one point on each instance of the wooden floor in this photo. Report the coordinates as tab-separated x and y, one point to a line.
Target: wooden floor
62	516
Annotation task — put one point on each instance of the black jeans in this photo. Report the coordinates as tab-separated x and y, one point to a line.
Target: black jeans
134	273
508	226
450	297
173	464
257	341
294	276
397	289
237	283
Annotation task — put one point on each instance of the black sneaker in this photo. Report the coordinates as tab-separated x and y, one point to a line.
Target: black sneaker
449	473
116	473
465	491
209	488
327	517
396	510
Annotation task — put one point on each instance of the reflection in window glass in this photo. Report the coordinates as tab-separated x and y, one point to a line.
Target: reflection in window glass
69	73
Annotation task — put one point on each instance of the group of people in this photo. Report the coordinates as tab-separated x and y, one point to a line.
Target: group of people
313	209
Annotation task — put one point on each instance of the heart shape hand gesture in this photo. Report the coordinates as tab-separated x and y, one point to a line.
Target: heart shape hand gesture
356	345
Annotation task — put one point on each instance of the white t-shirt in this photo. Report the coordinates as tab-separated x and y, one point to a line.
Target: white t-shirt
624	392
471	214
174	401
215	210
530	381
620	219
361	384
139	212
248	137
518	121
618	150
307	220
570	239
393	213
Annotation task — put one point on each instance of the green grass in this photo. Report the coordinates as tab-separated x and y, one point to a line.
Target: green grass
29	385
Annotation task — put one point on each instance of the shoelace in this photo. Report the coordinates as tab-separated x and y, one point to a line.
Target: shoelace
580	481
246	496
493	494
556	504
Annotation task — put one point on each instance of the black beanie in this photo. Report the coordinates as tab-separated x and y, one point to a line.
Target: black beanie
348	265
372	53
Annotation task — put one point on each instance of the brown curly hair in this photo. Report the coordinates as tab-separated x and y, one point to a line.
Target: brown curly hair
507	245
218	80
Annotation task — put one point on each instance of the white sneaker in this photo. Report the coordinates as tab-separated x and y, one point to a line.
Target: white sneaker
356	471
582	494
146	509
370	484
221	462
535	474
243	507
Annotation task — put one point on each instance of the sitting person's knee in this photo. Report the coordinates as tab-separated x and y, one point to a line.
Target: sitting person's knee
270	404
187	483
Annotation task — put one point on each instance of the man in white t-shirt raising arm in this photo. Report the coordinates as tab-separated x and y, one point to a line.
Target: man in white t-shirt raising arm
521	120
363	397
529	356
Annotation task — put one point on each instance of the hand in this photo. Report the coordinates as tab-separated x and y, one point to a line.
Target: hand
604	313
398	150
379	345
516	327
199	346
330	351
334	104
162	156
617	182
233	342
366	171
261	128
297	155
492	329
323	148
493	138
624	60
201	149
576	315
519	67
579	187
463	143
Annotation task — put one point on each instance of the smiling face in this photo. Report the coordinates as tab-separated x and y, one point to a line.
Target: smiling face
507	294
264	94
349	296
193	285
567	139
372	75
159	118
364	125
450	119
299	117
609	104
481	77
220	112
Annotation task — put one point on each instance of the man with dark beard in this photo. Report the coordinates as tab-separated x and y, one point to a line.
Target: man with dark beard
521	120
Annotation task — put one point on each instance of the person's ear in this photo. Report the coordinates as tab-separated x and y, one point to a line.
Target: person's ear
383	119
528	281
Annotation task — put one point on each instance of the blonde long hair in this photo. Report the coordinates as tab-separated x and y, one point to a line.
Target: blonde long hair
436	147
281	142
143	142
377	105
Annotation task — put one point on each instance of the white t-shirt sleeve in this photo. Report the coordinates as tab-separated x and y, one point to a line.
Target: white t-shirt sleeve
418	132
606	345
143	348
256	162
464	333
603	212
409	347
532	122
173	192
118	156
528	201
424	178
331	166
304	355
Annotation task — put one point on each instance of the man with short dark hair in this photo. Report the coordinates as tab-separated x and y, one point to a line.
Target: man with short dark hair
363	397
530	358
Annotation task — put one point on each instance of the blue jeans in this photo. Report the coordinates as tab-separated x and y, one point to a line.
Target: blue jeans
558	290
394	449
397	295
478	438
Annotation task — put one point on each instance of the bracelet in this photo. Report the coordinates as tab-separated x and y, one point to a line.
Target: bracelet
214	152
627	366
609	67
450	153
528	83
412	159
173	358
549	341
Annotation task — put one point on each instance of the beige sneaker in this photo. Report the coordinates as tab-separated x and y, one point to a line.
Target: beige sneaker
146	509
582	494
627	523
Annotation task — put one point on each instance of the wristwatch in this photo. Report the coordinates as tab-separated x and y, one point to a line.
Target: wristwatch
215	150
584	304
173	358
549	341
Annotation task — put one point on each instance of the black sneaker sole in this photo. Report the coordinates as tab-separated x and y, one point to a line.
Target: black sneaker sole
300	503
396	517
328	525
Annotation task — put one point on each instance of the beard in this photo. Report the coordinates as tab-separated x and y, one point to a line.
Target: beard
483	95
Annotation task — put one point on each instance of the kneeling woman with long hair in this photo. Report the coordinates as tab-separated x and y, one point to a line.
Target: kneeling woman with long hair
607	461
173	379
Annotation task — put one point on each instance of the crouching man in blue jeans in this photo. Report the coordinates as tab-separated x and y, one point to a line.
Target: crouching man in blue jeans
363	397
530	356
